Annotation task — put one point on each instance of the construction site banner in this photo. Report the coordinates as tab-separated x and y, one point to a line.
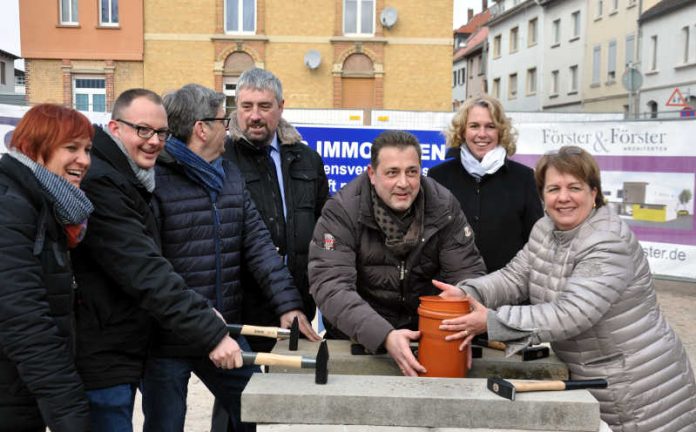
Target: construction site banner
648	170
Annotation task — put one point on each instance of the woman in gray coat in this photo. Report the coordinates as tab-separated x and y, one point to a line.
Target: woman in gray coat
592	297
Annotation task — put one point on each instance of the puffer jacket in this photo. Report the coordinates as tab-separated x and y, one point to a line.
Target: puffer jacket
592	297
208	242
306	191
360	286
39	384
124	282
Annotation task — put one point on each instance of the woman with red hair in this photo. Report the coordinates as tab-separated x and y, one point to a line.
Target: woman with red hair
43	213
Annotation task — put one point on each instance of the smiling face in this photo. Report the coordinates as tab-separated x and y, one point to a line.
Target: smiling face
70	160
481	134
258	115
141	112
396	178
568	201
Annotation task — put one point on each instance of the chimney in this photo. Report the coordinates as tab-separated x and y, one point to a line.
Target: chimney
484	5
470	14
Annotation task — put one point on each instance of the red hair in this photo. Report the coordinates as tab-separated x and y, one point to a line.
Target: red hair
46	127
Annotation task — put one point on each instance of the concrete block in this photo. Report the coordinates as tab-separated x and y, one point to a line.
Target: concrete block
367	428
492	364
412	402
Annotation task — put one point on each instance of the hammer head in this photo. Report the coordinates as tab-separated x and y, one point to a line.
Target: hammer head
502	388
534	352
294	335
321	372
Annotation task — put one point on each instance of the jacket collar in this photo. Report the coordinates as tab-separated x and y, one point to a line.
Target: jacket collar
287	134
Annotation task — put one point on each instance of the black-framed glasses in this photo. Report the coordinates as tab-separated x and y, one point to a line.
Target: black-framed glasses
146	132
225	120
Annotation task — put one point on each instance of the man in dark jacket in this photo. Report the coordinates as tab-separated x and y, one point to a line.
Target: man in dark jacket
209	228
123	280
379	243
286	180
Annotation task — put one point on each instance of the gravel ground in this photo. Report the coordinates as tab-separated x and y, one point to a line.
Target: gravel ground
677	300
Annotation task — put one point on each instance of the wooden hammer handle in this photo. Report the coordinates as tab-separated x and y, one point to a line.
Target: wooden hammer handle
268	359
249	330
526	386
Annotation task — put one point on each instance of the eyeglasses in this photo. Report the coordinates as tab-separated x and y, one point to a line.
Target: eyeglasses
145	132
225	120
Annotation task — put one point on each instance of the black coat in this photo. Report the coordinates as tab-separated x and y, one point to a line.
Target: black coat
207	242
123	280
306	191
502	208
39	384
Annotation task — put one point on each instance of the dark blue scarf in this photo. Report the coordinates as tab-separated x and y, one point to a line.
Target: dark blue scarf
209	175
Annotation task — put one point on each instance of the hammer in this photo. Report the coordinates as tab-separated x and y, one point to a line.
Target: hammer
528	353
508	388
270	332
320	363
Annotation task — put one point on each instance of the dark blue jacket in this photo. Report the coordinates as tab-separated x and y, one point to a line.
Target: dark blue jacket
209	241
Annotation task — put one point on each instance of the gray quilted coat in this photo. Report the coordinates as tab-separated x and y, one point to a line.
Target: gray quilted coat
592	298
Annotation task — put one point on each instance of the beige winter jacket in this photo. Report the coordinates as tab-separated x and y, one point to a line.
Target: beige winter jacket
592	297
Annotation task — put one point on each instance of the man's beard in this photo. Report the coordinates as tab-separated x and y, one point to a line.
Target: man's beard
259	142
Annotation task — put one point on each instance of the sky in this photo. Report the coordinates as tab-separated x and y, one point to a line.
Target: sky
9	22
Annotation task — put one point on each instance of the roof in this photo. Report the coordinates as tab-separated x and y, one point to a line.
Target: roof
664	7
474	41
8	54
479	20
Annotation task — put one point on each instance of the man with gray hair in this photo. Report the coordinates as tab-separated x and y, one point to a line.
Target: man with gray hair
210	230
286	180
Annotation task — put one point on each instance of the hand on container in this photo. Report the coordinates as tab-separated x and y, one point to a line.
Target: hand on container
398	345
467	326
227	354
305	326
448	290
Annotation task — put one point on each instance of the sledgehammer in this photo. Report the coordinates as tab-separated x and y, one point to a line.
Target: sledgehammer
508	388
270	332
320	363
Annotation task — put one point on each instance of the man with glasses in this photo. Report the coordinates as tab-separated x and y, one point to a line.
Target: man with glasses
210	229
123	282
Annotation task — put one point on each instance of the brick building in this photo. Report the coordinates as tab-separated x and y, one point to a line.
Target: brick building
83	52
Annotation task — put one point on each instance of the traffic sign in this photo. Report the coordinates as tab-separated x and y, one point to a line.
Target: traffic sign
632	79
687	112
676	99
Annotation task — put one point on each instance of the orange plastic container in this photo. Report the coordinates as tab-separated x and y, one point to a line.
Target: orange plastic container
441	358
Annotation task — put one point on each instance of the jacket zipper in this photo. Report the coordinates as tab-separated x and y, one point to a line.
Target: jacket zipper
218	259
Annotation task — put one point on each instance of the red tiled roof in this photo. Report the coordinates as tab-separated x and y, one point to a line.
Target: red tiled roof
475	23
471	43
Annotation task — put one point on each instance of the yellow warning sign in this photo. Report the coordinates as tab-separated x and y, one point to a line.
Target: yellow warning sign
676	99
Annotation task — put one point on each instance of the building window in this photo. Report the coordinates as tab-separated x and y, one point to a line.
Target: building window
631	3
575	17
496	46
653	52
600	7
482	63
596	63
532	32
359	17
611	61
531	81
3	78
614	6
556	32
514	39
462	76
554	83
68	12
89	94
685	39
454	78
108	12
512	86
240	16
496	88
630	49
652	106
573	72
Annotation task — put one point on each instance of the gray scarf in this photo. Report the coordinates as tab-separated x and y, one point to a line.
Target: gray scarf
72	205
402	232
145	176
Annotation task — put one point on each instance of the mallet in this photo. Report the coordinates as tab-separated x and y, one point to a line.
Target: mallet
508	388
320	363
528	353
270	332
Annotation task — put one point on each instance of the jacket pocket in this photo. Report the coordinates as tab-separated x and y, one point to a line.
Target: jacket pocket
304	186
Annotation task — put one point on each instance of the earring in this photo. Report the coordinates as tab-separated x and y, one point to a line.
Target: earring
594	205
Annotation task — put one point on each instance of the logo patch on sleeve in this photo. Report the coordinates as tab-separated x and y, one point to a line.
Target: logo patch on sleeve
329	242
